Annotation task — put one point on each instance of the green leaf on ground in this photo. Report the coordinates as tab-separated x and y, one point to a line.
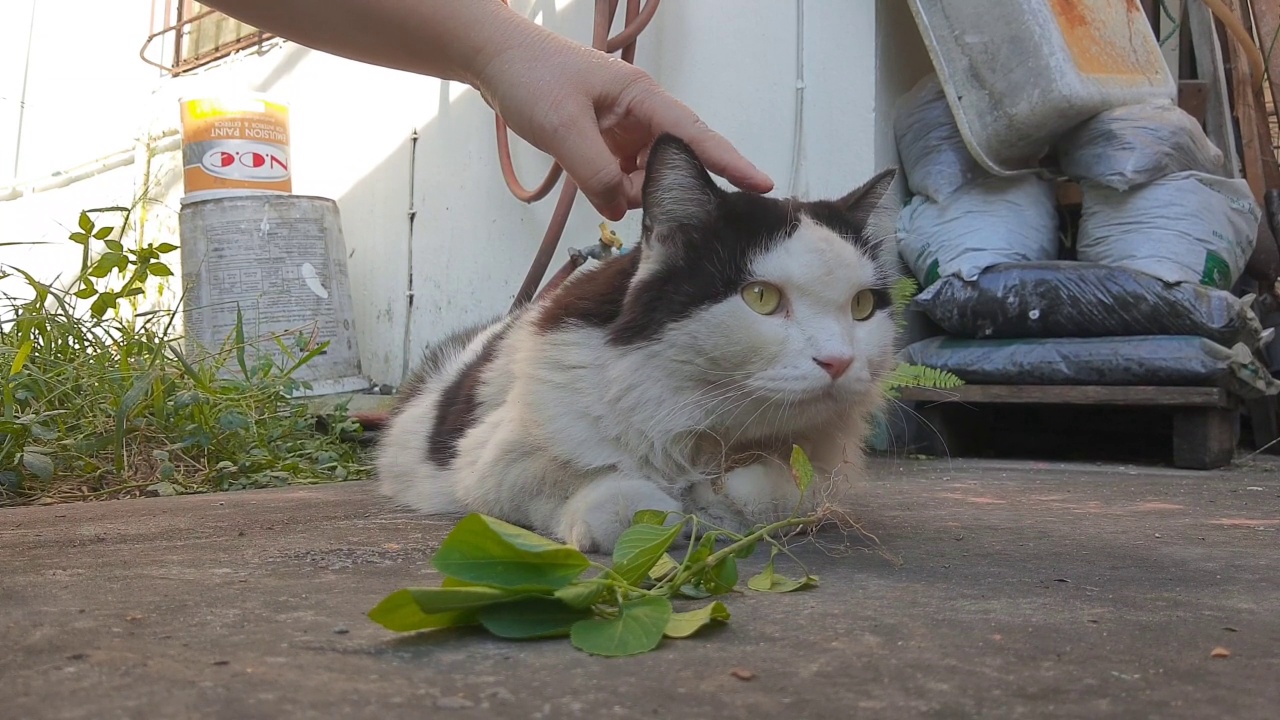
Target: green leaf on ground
769	581
163	489
38	465
436	600
580	595
531	617
706	546
449	582
638	628
650	517
487	551
693	592
721	577
639	548
663	567
746	550
404	611
684	624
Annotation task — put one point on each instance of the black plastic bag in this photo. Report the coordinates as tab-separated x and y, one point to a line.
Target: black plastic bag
1062	299
1170	360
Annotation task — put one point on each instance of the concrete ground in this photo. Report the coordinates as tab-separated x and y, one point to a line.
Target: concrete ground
1022	590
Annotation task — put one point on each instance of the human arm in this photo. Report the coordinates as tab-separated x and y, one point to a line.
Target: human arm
593	113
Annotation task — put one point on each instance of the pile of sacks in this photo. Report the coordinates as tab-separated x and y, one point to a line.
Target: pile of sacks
1162	240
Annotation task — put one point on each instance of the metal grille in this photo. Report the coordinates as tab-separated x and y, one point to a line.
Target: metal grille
185	35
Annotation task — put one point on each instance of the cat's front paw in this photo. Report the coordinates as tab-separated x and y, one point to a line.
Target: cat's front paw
766	493
597	515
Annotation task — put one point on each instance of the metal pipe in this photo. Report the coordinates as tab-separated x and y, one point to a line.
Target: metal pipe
165	142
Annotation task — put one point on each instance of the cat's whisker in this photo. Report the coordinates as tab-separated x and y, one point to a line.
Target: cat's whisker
700	393
901	406
690	433
738	373
712	421
697	401
738	408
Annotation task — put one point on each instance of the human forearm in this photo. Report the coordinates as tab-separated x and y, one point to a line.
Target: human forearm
450	39
593	113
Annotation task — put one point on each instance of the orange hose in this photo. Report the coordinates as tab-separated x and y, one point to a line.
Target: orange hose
636	20
1237	30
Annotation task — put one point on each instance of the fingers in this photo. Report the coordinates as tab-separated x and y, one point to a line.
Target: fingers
596	170
634	188
610	173
666	114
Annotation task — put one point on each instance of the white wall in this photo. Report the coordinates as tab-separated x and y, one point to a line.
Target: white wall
15	18
733	61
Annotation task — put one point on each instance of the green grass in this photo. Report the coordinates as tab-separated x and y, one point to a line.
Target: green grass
101	402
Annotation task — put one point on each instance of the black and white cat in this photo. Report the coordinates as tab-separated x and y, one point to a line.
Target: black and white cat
675	377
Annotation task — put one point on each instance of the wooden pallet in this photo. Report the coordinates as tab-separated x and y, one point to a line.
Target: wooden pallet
1204	418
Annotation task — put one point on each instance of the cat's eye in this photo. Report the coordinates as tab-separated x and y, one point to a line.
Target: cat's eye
864	303
762	297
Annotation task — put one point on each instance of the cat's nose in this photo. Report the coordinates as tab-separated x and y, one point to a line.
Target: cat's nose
834	366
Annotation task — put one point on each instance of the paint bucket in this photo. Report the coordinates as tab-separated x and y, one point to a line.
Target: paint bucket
234	146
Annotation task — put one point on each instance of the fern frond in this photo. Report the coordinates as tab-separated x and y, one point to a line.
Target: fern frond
903	290
920	376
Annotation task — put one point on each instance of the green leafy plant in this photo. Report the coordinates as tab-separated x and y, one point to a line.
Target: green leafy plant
100	401
901	293
906	374
921	376
519	585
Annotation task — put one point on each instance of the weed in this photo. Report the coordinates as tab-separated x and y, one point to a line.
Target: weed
906	374
103	402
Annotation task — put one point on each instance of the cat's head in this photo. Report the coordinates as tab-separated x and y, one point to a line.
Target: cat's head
789	298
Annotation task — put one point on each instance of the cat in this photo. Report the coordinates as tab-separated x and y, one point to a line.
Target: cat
674	377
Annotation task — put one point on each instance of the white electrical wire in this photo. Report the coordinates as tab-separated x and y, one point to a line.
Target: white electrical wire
798	132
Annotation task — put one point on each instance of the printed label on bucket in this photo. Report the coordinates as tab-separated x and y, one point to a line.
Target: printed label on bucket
235	146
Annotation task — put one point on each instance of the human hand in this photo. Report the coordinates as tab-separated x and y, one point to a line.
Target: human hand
597	115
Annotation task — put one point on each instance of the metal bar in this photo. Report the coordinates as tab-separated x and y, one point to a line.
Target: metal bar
181	65
221	51
1141	395
1210	61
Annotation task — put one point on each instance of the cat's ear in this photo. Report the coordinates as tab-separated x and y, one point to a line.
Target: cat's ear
874	210
864	202
678	190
